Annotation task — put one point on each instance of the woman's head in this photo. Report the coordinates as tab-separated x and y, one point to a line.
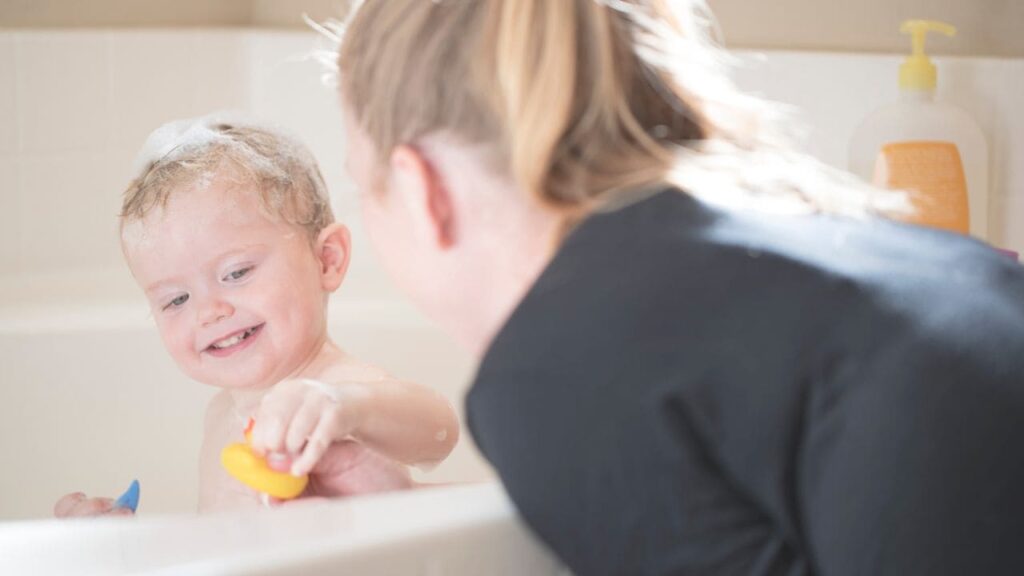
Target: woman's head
559	94
570	102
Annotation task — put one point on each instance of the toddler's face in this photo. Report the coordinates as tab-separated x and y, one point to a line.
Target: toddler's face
237	297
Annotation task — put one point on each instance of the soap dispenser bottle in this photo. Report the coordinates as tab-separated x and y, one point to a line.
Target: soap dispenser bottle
932	150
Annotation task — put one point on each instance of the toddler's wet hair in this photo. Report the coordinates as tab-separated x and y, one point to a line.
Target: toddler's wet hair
188	154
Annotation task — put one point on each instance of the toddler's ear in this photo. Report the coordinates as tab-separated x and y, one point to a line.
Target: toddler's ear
333	250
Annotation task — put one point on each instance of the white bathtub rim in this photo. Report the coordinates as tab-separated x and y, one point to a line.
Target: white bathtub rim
382	521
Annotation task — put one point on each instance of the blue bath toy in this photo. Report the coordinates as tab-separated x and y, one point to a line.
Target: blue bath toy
130	498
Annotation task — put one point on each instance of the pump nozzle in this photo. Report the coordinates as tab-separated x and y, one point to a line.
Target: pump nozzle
917	72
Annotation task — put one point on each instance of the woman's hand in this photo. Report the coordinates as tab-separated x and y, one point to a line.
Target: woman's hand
352	468
348	468
299	420
78	504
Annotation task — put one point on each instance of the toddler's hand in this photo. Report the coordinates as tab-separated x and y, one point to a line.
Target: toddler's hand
78	504
301	419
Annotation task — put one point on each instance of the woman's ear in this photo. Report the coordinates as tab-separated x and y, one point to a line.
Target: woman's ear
333	252
415	179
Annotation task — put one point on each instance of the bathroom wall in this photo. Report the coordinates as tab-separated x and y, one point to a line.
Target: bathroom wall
123	13
987	27
75	105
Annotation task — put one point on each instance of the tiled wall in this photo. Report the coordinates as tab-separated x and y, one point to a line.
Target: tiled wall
76	105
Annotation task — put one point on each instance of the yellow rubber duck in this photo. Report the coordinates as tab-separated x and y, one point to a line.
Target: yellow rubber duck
252	470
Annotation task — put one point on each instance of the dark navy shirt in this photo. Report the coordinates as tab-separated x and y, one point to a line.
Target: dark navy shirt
689	390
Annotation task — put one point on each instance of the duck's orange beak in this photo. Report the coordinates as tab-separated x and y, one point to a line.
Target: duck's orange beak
248	430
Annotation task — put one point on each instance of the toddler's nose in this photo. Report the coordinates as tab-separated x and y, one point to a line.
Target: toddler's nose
214	311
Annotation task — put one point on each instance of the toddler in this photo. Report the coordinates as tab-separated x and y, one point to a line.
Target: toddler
228	229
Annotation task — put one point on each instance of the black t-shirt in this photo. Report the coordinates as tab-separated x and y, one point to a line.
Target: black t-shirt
689	390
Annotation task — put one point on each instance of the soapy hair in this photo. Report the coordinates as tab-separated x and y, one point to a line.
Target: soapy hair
581	100
188	154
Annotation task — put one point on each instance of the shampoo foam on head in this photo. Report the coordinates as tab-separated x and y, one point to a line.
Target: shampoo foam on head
934	151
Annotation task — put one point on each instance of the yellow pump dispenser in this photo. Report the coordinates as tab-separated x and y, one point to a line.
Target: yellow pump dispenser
917	71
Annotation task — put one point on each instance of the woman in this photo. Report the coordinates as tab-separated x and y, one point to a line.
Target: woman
701	352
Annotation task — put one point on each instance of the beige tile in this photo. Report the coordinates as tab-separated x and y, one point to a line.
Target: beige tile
62	88
69	211
288	89
10	221
222	66
1008	221
8	108
152	79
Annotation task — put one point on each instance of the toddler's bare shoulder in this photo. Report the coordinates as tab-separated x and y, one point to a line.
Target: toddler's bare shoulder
218	411
351	369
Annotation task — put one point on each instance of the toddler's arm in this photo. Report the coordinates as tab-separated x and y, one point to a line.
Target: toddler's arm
403	421
78	504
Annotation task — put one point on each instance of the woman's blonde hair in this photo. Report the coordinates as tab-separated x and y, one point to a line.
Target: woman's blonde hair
580	100
187	154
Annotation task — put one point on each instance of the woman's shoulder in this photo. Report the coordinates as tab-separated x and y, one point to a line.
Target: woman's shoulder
669	265
670	230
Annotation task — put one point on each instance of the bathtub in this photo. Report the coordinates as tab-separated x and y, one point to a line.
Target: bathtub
454	531
89	400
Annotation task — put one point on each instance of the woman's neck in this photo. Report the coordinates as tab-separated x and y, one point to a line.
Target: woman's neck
503	242
511	260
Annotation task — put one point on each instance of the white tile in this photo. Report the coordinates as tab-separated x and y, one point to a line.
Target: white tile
152	80
10	221
288	88
222	70
69	211
62	85
1008	219
8	81
816	87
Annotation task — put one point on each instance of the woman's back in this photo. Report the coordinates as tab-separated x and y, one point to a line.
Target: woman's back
690	390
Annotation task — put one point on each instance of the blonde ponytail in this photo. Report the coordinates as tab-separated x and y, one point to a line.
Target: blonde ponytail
535	55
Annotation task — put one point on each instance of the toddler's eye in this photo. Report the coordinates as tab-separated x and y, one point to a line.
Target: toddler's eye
179	301
238	274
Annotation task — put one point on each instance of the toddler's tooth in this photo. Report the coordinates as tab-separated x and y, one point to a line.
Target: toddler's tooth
227	342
